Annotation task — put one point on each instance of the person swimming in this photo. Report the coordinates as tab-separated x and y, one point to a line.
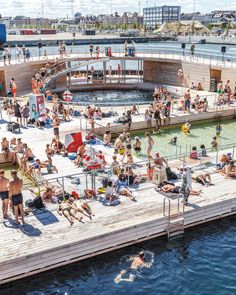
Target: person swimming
173	140
137	262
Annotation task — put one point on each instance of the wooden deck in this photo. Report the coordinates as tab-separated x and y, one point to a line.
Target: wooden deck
48	241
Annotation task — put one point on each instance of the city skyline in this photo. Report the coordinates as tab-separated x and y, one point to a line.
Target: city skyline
64	8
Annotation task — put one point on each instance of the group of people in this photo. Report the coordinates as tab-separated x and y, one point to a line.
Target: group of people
11	195
226	95
21	53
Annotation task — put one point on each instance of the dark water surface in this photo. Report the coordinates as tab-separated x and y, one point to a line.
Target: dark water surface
204	262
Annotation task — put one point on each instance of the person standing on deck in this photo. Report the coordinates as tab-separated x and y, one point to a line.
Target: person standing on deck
18	53
56	124
55	103
13	87
118	72
9	54
110	73
16	197
91	49
4	193
192	49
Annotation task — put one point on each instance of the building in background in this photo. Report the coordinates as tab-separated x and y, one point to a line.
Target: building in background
157	15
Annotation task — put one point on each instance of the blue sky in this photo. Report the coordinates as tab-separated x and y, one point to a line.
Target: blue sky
62	8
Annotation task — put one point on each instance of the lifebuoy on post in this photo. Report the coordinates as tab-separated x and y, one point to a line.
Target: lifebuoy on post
180	73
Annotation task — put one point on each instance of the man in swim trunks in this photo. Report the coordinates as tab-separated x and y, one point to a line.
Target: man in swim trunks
4	193
16	197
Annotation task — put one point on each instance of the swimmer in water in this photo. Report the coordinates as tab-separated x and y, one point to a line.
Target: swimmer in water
174	140
218	129
137	262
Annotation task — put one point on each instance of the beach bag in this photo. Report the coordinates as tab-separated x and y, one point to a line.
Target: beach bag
29	203
75	180
170	174
72	156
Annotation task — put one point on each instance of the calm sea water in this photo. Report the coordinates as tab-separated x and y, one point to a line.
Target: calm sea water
202	263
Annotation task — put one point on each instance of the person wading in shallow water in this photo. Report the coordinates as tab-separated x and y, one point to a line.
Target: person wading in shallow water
16	197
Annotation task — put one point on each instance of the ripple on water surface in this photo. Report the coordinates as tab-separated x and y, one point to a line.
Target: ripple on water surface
204	262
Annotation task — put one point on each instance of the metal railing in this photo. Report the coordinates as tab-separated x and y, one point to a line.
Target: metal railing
161	51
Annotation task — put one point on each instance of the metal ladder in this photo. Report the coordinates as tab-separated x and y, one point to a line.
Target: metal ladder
176	219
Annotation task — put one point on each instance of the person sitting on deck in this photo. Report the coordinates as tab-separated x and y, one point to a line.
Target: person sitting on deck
193	155
134	110
26	157
110	193
36	167
131	178
66	116
203	150
49	166
107	138
48	195
49	150
122	187
81	150
229	169
224	159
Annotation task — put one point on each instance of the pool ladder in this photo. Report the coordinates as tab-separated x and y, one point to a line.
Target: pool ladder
175	227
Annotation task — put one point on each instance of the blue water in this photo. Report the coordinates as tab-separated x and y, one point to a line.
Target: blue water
202	263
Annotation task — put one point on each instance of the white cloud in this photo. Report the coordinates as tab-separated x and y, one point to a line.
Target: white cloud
62	8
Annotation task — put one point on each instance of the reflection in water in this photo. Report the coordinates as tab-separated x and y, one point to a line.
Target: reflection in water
203	262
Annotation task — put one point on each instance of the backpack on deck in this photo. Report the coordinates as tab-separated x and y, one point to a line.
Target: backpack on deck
38	203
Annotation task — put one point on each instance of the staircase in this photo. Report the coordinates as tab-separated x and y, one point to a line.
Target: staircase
174	211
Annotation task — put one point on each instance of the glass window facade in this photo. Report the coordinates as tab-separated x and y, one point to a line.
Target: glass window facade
153	16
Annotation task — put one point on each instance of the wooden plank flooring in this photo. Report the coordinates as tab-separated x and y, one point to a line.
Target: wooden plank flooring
46	243
112	227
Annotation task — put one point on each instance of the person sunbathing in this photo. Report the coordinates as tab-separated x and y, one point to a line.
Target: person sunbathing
85	208
66	209
202	178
